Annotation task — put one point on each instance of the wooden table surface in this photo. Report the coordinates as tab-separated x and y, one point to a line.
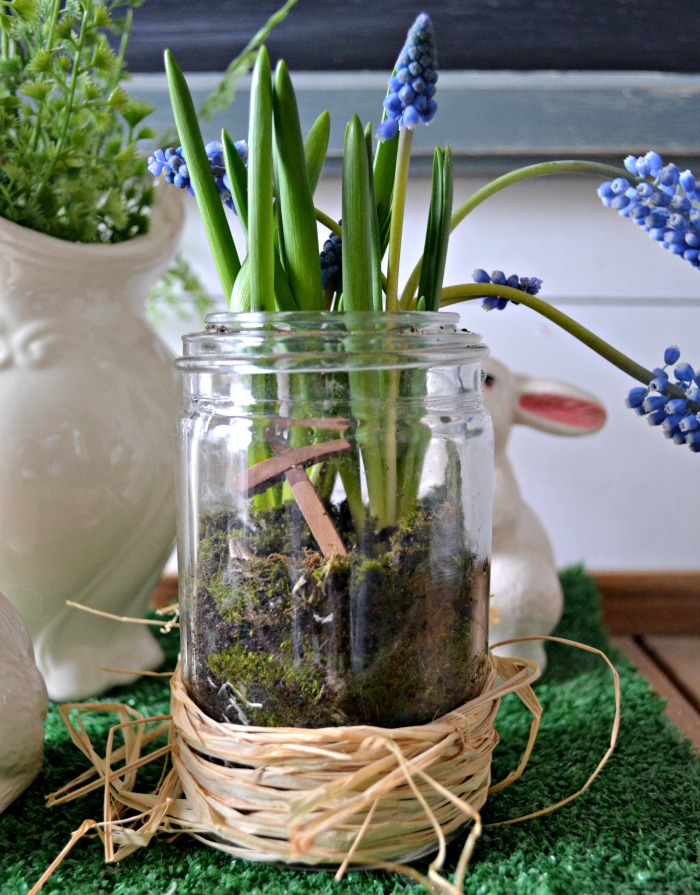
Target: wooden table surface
653	618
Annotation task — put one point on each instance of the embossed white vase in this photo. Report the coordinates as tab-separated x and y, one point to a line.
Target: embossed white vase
88	396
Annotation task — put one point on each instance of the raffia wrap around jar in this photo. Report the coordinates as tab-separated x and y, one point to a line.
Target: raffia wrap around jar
328	798
332	796
357	796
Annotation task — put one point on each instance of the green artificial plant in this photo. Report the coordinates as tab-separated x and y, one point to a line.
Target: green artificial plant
69	161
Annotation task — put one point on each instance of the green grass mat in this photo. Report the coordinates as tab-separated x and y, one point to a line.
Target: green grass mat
636	830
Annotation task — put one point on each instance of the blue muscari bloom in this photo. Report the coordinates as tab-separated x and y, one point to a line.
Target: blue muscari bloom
166	162
605	193
659	383
654	401
665	203
678	416
636	396
684	372
412	86
689	423
619	185
331	262
676	406
672	354
656	417
671	425
687	181
170	163
530	285
644	165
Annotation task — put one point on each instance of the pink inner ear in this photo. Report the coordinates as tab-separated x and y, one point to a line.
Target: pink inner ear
570	411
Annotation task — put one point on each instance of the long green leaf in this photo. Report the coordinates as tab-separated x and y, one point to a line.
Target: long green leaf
316	148
260	210
238	178
241	296
238	175
284	300
357	227
296	215
445	228
431	231
384	173
216	226
438	231
242	299
377	295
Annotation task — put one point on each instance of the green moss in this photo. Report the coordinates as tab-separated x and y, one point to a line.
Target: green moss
283	685
393	633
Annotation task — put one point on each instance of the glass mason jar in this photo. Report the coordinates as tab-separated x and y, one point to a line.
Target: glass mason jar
335	491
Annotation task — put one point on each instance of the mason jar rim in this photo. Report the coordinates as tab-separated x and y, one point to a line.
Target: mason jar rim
283	320
328	340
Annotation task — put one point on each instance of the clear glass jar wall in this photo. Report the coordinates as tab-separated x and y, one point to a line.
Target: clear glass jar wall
335	489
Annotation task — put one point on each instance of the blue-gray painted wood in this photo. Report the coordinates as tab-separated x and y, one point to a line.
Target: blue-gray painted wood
493	120
472	34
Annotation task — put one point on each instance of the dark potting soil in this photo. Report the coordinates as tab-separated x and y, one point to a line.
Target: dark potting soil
393	634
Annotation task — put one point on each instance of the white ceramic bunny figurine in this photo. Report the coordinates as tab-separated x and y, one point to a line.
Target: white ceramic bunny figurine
526	595
23	706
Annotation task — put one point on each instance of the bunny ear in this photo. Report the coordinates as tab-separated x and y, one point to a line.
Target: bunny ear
558	407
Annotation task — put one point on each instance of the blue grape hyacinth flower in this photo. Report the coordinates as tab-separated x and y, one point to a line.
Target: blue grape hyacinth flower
677	414
171	165
168	163
412	86
530	285
331	258
661	199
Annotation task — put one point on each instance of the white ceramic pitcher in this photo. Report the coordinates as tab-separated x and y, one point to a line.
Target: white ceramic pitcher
88	396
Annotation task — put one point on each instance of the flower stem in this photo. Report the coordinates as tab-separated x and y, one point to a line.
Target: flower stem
398	206
329	222
568	166
391	456
467	291
541	169
349	470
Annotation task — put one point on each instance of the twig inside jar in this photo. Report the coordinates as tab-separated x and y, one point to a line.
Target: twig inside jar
290	463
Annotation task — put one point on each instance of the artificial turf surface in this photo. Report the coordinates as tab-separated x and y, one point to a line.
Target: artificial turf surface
636	830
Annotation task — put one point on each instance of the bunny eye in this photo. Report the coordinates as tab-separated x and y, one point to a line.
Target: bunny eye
489	380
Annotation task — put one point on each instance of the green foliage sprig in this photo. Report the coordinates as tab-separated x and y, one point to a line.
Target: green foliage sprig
69	163
223	94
